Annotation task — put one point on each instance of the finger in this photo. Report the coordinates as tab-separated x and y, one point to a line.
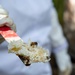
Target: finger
6	21
3	11
13	27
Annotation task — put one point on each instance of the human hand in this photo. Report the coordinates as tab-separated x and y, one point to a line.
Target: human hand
5	20
67	71
64	62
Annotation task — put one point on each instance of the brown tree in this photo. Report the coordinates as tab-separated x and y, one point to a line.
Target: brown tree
69	25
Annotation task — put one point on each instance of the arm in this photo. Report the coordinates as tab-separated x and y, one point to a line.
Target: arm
59	43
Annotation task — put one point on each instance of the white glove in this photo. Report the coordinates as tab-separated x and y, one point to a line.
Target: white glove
66	72
64	62
5	21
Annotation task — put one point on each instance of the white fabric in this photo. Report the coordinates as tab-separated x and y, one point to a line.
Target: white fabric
56	35
32	18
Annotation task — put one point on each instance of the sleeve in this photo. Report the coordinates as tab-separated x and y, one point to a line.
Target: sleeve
59	43
58	40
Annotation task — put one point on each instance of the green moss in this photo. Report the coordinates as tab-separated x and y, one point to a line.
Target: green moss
59	5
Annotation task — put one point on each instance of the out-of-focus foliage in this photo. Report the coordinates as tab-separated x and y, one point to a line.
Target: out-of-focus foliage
59	5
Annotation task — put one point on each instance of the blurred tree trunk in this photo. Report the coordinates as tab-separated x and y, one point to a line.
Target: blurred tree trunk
69	25
69	28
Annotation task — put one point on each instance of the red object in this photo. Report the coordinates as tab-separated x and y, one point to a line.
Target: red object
4	28
7	32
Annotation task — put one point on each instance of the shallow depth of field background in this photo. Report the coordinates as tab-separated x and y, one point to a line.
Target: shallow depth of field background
59	5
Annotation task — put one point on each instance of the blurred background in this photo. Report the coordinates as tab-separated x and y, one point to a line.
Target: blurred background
66	14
